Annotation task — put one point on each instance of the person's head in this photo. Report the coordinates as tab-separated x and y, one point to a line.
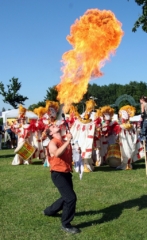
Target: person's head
107	117
52	130
18	120
52	113
21	121
124	116
143	99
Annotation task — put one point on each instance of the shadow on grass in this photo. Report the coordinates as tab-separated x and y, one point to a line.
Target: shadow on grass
114	211
106	168
34	162
139	164
37	163
7	156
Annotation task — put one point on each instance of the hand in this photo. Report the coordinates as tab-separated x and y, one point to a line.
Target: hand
69	136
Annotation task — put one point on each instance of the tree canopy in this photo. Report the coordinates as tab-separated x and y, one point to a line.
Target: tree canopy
12	96
103	95
142	20
39	104
51	94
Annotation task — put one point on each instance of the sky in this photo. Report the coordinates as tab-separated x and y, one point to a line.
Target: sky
33	40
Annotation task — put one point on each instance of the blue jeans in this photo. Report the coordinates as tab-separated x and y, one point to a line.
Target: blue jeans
143	132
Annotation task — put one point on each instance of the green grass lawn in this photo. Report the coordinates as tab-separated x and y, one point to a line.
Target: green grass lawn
112	205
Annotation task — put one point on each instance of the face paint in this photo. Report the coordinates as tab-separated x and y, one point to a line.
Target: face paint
52	112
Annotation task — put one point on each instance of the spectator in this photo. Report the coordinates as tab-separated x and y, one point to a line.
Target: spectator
13	137
143	132
1	133
7	136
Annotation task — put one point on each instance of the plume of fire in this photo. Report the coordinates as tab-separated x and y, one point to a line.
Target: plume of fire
94	37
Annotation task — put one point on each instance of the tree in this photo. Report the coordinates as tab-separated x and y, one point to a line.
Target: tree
103	95
1	121
142	20
39	104
51	94
12	96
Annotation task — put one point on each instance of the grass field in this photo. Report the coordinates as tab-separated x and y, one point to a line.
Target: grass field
112	205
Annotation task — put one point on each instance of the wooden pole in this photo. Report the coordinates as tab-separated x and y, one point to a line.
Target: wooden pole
145	155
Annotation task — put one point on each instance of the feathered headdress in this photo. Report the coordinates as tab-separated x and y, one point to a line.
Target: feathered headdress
90	105
53	104
22	111
98	113
107	111
127	111
40	111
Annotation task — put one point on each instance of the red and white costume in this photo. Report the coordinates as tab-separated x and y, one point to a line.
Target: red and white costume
35	129
130	146
84	134
21	130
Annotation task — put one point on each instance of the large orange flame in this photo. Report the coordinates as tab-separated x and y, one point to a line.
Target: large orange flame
94	37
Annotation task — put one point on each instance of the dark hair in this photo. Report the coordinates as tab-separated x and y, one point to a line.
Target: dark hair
144	98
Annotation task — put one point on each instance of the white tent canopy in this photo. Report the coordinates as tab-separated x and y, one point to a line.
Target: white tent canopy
135	118
14	113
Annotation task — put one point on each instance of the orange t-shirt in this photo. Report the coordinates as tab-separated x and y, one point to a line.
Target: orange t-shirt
64	162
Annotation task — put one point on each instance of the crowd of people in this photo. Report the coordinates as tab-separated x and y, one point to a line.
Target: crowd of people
99	123
6	133
83	141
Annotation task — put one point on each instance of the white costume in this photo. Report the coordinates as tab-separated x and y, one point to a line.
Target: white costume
84	134
130	146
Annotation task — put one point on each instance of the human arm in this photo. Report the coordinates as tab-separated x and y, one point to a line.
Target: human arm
142	111
5	127
142	107
1	132
57	152
43	135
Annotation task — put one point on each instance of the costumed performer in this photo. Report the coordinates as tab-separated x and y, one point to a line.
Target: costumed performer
20	128
108	133
48	115
83	130
36	127
130	145
97	134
